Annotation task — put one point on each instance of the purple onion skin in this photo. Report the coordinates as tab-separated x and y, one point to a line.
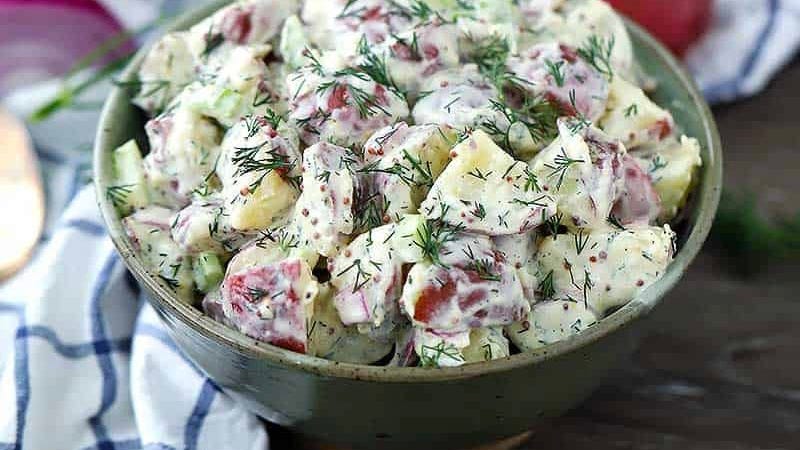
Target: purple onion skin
43	39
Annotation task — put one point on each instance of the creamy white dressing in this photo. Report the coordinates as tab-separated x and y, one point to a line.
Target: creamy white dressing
429	176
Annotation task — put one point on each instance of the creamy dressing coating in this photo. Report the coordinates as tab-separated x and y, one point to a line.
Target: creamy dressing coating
549	322
149	231
582	173
402	162
323	215
382	145
603	269
368	278
341	108
272	302
486	191
184	147
460	98
259	167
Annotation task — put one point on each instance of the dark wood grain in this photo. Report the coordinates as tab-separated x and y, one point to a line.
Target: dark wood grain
721	367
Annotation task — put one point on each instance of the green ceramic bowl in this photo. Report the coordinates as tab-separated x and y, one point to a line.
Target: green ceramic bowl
382	407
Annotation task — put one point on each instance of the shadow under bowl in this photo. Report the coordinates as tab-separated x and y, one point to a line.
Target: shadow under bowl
395	408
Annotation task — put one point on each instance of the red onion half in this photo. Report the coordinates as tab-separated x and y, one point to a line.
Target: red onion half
42	39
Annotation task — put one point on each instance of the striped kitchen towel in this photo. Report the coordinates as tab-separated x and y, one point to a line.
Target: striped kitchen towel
85	364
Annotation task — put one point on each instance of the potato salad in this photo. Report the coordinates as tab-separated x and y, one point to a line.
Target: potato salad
403	182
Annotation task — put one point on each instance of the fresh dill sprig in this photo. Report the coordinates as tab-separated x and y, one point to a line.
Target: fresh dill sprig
483	267
285	240
490	55
430	356
375	67
553	224
432	236
561	163
555	70
362	276
547	287
370	210
588	284
248	160
597	52
578	121
531	181
615	222
477	173
632	110
314	63
118	195
581	239
656	164
536	202
478	211
419	174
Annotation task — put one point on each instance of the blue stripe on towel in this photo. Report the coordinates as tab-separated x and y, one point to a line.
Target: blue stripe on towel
22	380
730	88
104	357
74	351
199	413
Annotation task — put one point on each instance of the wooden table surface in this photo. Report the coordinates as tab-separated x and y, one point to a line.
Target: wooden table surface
721	367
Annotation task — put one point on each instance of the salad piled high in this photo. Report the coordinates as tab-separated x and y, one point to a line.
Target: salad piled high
403	182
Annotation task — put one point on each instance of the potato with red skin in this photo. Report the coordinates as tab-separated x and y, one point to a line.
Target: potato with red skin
339	108
149	232
556	72
257	166
340	24
368	278
402	162
486	191
638	202
454	299
582	170
272	302
249	22
420	52
633	118
323	216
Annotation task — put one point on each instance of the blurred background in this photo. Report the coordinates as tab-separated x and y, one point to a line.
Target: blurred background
720	368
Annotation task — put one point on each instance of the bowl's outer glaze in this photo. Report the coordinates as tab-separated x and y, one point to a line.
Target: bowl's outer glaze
379	407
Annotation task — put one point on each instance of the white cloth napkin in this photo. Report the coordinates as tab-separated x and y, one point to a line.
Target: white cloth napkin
85	364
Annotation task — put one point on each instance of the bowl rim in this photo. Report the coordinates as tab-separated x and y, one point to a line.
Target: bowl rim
707	201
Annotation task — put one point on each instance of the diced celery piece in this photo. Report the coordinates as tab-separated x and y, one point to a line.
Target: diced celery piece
128	190
208	272
226	104
293	42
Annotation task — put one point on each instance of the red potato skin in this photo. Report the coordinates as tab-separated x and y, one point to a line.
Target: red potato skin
287	327
467	294
639	203
538	65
